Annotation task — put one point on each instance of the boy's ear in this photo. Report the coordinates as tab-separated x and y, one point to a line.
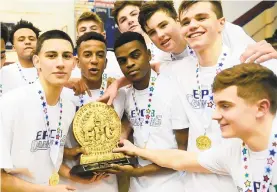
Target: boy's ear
221	23
36	62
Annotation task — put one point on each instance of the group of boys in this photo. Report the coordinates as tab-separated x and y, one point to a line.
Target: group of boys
171	61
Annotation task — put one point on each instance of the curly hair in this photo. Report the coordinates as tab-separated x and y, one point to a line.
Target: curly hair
23	24
4	33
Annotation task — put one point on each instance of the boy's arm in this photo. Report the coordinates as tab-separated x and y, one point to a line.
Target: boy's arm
10	183
129	170
125	127
182	138
171	158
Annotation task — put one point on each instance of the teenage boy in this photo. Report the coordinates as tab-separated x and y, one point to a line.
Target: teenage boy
91	49
126	14
245	97
159	21
202	24
155	122
91	22
36	137
24	38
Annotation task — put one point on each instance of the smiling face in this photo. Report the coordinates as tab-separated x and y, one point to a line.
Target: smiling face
92	59
164	31
236	116
24	42
133	58
55	61
200	26
128	19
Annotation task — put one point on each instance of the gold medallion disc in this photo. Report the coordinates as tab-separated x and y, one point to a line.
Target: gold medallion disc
203	142
97	128
54	179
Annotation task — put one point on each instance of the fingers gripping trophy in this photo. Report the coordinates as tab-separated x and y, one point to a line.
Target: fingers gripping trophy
97	128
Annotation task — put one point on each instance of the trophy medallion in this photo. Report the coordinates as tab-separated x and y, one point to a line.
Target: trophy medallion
97	128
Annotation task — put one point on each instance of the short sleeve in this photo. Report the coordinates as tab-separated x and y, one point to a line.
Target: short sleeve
234	36
218	159
119	102
6	130
179	117
271	64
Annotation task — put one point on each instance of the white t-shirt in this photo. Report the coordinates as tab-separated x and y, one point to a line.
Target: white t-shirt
184	72
5	156
12	78
157	55
107	184
112	67
23	125
227	159
234	36
165	118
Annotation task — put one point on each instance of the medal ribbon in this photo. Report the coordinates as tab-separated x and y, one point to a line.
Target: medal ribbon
147	119
23	76
191	52
209	105
268	169
102	89
54	147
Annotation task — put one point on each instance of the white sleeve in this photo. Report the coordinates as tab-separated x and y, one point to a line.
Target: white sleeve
68	94
6	134
234	36
216	159
159	55
76	72
112	69
179	117
271	64
119	102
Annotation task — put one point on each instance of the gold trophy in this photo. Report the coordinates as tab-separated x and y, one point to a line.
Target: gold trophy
97	128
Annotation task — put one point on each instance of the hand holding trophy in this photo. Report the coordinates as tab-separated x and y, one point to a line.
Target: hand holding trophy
97	129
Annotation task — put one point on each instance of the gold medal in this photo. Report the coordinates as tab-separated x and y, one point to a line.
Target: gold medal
203	142
54	179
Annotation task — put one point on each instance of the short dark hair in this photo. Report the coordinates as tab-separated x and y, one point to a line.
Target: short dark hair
90	36
23	24
128	37
90	16
254	82
148	9
4	33
52	34
216	6
119	5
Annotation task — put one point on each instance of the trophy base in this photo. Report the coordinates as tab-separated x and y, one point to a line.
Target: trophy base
87	171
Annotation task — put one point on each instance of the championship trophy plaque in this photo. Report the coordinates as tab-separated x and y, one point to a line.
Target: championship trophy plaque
97	128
